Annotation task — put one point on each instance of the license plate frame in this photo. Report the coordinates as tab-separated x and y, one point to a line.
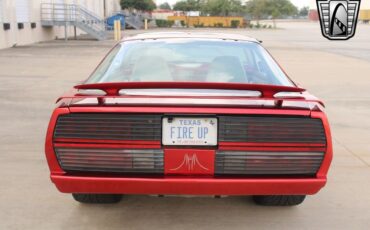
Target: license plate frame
190	131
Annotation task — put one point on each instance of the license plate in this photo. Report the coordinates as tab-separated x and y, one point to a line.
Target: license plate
189	131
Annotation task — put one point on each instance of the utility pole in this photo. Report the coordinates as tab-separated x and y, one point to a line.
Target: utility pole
105	8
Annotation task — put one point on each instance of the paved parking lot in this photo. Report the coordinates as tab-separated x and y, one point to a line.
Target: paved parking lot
32	77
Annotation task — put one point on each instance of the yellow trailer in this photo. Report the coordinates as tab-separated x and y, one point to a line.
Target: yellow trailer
209	21
365	15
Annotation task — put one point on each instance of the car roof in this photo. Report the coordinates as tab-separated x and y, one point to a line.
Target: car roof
190	35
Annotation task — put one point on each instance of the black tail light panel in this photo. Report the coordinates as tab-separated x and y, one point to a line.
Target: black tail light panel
267	163
110	160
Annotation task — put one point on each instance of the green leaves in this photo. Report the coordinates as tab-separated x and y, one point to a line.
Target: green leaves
188	5
274	8
303	12
143	5
222	7
258	9
165	6
210	7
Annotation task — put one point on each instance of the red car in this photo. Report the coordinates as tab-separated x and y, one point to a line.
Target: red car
189	113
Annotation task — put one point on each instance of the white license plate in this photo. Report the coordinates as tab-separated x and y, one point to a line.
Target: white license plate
189	131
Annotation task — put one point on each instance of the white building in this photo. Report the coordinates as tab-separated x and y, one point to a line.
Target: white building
162	14
20	20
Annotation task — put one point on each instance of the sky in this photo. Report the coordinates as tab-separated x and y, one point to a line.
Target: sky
298	3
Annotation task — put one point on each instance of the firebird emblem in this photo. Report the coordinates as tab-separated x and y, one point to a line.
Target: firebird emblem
190	162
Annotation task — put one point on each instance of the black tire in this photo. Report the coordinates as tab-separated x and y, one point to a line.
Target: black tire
279	200
97	198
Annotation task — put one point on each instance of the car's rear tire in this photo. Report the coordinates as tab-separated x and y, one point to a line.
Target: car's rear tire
279	200
97	198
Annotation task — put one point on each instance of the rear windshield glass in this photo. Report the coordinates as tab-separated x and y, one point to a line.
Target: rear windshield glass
189	60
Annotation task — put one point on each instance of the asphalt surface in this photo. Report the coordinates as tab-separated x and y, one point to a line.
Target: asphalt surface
32	77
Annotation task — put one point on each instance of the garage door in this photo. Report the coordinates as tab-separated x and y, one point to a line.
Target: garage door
22	10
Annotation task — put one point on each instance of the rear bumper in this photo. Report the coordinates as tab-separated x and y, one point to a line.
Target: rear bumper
189	186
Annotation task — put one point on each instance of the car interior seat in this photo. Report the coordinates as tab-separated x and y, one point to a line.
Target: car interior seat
226	69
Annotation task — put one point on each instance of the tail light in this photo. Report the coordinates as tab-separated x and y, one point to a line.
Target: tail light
110	160
267	163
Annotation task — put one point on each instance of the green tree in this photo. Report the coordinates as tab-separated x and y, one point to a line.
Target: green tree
256	8
181	6
278	8
188	5
165	6
143	5
303	12
222	7
275	9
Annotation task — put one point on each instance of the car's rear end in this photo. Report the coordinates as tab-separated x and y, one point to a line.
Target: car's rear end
241	147
199	138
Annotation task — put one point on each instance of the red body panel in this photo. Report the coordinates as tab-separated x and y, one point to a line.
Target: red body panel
189	162
186	185
201	181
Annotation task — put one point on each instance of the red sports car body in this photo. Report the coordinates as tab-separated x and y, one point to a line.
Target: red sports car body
203	137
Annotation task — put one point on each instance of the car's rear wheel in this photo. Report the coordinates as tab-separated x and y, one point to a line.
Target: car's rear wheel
279	200
97	198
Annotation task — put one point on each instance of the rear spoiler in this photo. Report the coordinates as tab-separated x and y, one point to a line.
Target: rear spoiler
113	88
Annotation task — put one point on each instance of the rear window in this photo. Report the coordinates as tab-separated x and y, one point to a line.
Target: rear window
189	60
